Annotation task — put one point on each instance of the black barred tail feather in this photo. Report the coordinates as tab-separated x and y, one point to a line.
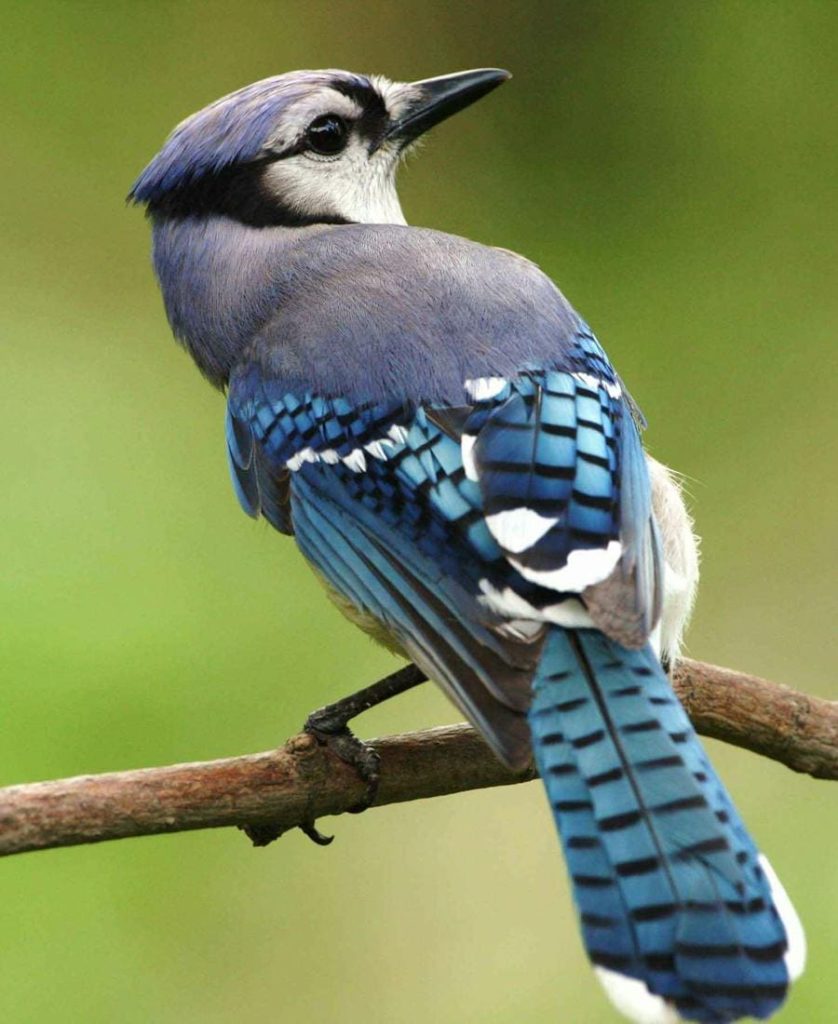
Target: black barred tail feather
680	914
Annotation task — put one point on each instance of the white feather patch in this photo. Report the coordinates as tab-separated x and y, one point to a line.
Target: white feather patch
377	449
303	455
355	460
583	569
795	956
397	434
571	613
655	639
467	455
382	448
482	389
506	602
521	629
589	380
634	1000
518	529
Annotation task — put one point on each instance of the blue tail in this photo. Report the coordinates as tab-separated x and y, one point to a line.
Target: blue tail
668	884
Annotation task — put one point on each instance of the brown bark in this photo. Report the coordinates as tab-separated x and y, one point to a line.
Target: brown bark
773	720
272	792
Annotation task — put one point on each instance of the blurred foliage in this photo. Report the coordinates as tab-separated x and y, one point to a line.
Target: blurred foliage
673	166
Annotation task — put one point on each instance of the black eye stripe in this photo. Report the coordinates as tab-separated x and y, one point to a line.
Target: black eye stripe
327	135
370	101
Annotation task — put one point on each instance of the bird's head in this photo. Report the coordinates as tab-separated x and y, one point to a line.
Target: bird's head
302	148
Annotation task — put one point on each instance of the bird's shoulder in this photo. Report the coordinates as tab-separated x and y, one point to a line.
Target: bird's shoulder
389	310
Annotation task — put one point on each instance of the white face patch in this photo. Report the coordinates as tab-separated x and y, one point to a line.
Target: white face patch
397	96
353	185
296	118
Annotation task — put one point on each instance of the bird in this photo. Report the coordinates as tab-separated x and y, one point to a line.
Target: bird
458	461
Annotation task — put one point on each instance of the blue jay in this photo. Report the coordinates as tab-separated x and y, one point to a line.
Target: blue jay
449	445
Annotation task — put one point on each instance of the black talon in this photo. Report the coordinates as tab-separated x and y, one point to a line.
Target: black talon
329	726
328	731
315	835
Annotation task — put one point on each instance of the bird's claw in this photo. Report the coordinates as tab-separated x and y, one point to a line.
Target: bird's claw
330	727
332	732
315	835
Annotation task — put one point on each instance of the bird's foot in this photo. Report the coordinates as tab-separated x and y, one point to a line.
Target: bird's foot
328	726
264	835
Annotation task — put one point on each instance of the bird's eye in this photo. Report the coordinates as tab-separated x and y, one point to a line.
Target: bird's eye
327	134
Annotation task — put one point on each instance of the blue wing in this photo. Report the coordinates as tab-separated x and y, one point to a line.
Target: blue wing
379	504
471	532
383	505
566	492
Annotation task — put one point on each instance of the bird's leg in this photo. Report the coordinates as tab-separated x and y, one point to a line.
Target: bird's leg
329	725
333	718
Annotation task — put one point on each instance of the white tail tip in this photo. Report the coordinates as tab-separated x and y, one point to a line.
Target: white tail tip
634	1000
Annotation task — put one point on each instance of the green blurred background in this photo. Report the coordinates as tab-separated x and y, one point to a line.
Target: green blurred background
673	167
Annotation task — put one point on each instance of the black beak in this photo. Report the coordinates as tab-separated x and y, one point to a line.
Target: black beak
438	98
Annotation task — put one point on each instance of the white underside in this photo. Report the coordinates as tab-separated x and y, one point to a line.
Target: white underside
680	551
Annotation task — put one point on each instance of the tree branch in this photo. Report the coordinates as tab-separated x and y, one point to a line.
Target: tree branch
793	728
272	792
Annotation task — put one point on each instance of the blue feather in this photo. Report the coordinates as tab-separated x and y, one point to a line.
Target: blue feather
240	459
666	880
552	448
235	129
460	463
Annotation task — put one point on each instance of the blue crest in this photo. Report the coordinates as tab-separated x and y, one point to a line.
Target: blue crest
232	130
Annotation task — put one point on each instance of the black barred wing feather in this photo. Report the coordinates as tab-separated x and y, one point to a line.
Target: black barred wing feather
381	506
566	494
546	460
465	530
473	531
